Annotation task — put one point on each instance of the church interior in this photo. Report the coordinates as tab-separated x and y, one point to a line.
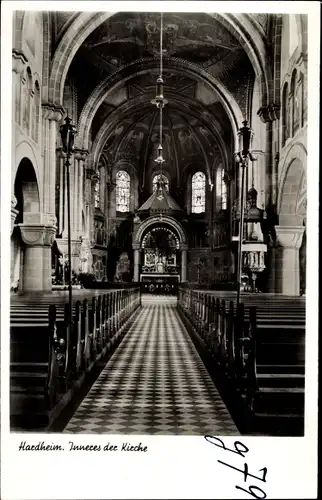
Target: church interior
158	222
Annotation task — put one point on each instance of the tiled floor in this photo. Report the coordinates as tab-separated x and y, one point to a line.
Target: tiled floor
155	383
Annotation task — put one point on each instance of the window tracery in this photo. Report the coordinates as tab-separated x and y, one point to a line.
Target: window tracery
97	192
156	179
198	182
123	183
221	189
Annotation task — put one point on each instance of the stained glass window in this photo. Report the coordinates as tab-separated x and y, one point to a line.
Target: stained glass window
221	189
97	193
198	204
122	191
163	178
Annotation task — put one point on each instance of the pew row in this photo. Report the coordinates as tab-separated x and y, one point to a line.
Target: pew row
259	349
50	360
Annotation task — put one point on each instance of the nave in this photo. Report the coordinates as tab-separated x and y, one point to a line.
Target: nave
154	383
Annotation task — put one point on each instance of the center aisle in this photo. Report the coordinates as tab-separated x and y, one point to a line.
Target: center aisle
155	383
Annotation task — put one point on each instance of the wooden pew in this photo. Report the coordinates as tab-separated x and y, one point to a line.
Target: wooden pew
46	363
260	347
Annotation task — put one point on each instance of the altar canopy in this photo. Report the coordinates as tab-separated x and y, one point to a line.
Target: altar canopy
160	202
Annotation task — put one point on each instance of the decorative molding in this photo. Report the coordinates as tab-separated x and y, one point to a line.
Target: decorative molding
52	112
269	113
289	236
37	234
81	154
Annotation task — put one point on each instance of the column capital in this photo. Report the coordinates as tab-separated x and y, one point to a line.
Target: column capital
52	112
289	236
136	246
19	60
183	247
81	154
269	113
37	234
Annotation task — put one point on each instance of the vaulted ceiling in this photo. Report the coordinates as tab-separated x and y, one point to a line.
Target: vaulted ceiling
193	105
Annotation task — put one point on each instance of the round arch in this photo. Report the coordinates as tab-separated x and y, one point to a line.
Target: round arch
25	150
195	109
141	67
238	24
166	220
296	152
26	190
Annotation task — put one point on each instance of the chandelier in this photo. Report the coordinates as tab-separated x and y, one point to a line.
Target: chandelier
159	101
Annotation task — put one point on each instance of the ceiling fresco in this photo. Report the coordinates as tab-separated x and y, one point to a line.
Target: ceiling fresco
194	37
186	141
129	36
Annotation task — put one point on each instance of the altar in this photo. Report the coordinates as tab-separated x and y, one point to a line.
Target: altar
160	284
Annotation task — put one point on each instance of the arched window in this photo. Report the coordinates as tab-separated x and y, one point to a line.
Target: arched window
285	114
122	191
162	177
198	185
295	103
36	113
97	192
27	100
221	189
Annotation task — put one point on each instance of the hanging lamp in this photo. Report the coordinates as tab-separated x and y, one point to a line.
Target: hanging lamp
159	101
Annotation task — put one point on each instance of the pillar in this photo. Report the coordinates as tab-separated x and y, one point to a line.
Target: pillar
136	274
79	161
183	264
38	239
287	261
268	115
51	114
18	66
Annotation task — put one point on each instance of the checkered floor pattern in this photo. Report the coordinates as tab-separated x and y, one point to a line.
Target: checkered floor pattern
155	383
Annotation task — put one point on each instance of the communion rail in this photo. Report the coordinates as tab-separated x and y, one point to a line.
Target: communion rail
258	351
50	361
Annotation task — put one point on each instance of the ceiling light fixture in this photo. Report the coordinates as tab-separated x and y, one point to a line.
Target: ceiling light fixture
160	102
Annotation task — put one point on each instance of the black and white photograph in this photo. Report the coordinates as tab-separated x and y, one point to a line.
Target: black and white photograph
158	253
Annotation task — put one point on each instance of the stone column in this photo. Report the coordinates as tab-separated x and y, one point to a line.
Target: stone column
268	115
287	261
79	166
18	65
183	264
136	274
38	239
51	114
